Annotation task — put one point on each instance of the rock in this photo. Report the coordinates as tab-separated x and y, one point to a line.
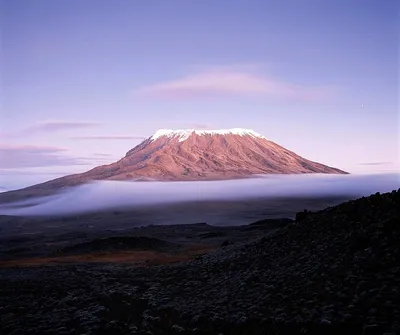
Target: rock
325	322
372	330
301	216
226	243
178	328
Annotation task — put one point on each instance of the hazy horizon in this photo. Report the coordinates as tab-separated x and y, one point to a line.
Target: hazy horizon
84	82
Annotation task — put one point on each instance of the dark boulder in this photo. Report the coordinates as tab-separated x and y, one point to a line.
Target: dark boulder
301	216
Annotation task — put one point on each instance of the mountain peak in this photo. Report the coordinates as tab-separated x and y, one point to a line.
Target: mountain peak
184	134
190	154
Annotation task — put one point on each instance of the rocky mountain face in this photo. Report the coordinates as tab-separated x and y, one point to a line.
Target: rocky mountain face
199	155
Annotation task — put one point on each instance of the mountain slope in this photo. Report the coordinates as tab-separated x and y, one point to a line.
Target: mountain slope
198	155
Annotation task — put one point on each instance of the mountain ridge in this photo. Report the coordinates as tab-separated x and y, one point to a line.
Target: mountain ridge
179	155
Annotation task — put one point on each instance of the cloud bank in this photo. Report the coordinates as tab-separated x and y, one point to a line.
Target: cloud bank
231	83
111	194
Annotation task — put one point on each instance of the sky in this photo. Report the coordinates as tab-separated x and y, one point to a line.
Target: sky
83	82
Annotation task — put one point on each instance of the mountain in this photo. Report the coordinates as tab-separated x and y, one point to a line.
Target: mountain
194	155
200	155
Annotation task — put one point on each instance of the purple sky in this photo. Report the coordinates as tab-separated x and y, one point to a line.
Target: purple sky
83	81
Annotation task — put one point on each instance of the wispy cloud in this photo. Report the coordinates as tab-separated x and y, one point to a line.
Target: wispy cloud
232	83
107	137
376	163
102	154
25	172
50	126
25	156
236	67
34	149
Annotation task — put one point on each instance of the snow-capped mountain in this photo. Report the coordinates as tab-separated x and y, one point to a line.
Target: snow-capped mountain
3	189
183	134
198	155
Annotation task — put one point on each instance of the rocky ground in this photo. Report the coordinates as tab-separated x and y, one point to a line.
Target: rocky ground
334	271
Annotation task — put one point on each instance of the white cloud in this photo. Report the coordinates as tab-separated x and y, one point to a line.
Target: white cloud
231	82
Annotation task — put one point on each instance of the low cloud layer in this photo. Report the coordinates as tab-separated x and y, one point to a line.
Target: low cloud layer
111	194
231	83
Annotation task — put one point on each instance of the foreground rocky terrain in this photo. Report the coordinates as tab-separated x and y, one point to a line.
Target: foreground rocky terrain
329	272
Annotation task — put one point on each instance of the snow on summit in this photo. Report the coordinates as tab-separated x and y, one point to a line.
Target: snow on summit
184	134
